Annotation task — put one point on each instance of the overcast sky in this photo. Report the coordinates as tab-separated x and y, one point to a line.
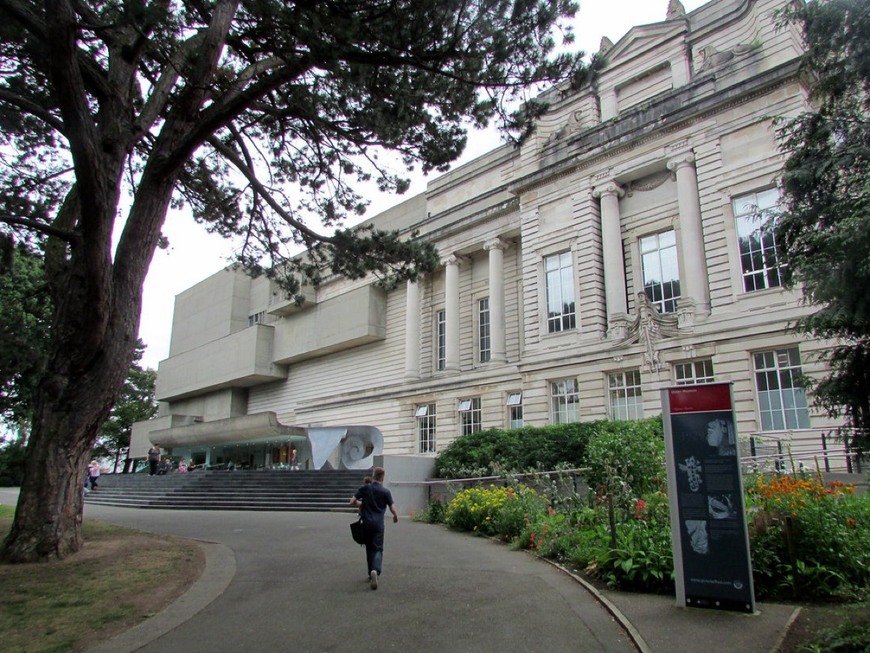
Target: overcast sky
194	255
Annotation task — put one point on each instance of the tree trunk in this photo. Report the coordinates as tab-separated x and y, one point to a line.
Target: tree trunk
48	519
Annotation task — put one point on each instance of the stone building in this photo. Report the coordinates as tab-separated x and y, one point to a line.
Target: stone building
614	253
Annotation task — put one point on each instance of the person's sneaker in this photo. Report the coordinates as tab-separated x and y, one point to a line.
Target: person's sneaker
373	580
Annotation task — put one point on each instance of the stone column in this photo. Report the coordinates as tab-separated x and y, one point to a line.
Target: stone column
693	279
496	248
412	331
451	313
611	244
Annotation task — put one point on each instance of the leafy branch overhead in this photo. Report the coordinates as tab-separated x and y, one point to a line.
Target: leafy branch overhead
267	113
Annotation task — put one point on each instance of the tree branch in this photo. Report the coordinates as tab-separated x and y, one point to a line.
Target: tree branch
252	178
41	227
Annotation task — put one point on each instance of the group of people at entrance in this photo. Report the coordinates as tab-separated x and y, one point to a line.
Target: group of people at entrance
373	499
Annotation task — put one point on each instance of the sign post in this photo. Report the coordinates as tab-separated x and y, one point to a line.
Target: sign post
708	521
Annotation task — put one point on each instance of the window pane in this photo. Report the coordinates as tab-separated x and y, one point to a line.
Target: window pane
781	401
755	219
559	278
661	275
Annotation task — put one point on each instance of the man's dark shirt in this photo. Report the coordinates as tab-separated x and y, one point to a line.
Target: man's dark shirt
376	498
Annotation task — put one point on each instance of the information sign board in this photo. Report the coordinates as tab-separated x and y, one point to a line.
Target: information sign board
708	522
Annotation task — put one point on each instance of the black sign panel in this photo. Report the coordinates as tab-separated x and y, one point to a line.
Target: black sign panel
711	546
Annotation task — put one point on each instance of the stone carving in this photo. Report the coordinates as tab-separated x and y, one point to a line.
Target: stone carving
573	124
675	10
649	183
712	58
648	328
605	45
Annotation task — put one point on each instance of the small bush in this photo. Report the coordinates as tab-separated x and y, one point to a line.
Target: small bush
808	540
501	511
629	454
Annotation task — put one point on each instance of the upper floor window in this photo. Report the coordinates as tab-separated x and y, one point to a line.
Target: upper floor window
755	215
782	403
483	332
469	416
440	340
515	410
661	273
565	401
626	399
700	371
425	416
256	318
561	314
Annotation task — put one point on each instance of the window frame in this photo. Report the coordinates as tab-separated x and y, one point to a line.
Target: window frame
669	304
514	404
426	422
627	407
695	378
777	372
470	415
564	405
440	339
743	208
484	331
565	320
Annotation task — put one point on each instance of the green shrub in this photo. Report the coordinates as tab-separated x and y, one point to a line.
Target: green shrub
433	514
808	541
499	451
626	458
501	511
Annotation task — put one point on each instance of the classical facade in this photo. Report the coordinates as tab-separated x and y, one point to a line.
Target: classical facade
616	252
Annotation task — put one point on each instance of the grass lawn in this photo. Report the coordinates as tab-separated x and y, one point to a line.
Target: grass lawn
120	577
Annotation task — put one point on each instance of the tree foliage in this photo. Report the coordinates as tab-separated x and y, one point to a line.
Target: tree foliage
25	312
135	403
824	228
257	116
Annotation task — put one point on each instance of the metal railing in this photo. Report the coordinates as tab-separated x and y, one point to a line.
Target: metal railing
811	450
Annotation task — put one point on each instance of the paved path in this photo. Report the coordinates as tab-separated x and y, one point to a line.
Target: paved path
298	585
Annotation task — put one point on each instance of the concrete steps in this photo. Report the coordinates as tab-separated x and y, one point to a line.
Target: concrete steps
302	491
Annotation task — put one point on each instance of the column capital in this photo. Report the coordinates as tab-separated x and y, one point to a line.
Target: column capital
681	160
495	243
608	188
452	259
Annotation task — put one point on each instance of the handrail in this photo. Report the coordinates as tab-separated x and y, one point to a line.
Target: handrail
474	479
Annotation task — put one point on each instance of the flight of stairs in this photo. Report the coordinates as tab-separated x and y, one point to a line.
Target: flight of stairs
323	490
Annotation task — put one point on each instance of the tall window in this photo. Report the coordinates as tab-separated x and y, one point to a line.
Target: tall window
661	273
515	410
483	333
561	314
782	403
469	416
441	340
756	226
565	401
700	371
626	401
426	427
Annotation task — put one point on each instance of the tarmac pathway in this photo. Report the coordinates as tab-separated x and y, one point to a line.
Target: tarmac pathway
296	582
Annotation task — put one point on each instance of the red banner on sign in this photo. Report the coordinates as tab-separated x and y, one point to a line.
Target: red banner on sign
700	398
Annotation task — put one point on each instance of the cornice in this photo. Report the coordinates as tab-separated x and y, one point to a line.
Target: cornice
588	149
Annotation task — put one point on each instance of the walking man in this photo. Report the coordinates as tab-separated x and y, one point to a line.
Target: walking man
374	500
